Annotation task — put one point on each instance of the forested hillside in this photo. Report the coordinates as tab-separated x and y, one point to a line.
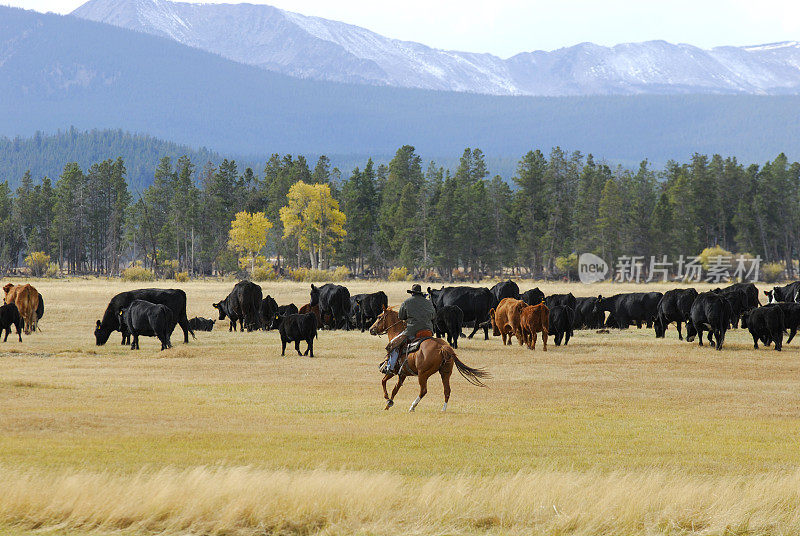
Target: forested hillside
408	213
44	155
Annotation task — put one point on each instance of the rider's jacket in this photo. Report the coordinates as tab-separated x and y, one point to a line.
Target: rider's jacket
418	312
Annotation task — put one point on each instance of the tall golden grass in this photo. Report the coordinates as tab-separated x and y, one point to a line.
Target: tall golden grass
616	434
244	500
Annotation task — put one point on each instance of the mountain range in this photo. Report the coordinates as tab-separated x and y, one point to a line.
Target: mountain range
60	71
311	47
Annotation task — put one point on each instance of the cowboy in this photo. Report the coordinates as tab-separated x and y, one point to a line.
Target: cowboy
418	312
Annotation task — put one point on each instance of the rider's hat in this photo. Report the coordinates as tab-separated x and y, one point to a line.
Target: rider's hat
416	290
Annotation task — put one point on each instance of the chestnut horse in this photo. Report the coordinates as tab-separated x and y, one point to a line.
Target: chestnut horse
434	355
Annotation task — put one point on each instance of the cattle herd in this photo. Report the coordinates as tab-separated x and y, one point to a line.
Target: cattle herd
510	313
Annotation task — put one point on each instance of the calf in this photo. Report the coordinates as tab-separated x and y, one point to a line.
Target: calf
506	320
147	319
675	306
535	318
710	312
296	328
560	323
290	309
448	321
9	316
199	323
766	324
268	310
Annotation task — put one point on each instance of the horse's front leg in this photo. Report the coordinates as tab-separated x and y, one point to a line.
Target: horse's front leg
383	384
390	402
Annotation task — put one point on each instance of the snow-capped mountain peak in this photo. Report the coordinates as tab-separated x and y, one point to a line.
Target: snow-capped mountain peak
312	47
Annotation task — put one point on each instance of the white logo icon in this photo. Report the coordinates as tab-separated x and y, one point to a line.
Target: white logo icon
591	268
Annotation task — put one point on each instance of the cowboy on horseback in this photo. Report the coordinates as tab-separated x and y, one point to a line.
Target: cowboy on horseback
418	312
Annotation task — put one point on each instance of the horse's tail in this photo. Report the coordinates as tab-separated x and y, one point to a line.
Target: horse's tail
472	375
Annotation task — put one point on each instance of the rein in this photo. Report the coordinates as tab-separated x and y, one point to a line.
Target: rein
385	331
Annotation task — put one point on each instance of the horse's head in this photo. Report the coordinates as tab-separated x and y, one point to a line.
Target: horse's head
385	321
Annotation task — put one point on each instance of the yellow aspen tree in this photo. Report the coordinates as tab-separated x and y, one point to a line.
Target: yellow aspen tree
248	234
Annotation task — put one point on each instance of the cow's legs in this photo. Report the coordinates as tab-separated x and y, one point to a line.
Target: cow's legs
283	345
310	349
792	333
8	331
297	347
184	323
678	325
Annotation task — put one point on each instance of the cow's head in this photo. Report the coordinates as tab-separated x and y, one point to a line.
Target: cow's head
101	334
218	307
7	287
314	295
495	329
660	326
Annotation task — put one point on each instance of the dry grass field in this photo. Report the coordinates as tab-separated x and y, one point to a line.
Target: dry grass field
615	434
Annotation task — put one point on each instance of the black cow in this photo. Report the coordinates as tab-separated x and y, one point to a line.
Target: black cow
290	309
504	289
298	327
738	300
750	291
334	305
39	310
631	308
766	324
174	299
675	306
147	319
710	312
199	323
588	314
474	302
9	316
567	300
561	320
370	307
242	305
448	322
787	293
791	318
533	296
268	311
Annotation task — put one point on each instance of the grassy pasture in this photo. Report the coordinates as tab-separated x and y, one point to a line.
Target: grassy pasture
615	434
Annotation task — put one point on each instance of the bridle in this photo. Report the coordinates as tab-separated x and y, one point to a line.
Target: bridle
386	330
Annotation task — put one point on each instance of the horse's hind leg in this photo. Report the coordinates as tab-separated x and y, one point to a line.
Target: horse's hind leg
445	372
423	388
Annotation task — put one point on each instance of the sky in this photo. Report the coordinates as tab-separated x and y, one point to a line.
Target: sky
506	27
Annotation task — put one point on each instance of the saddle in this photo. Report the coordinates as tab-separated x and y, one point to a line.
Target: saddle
408	348
413	346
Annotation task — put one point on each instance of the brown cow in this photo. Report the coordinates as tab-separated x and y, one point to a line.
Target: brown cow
26	298
308	308
505	319
535	318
